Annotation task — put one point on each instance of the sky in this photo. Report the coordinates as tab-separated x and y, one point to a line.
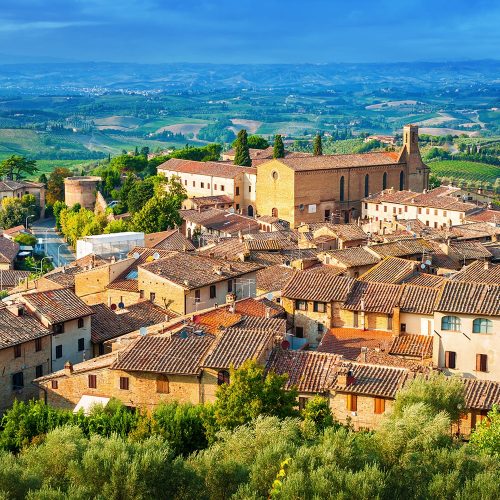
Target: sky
242	31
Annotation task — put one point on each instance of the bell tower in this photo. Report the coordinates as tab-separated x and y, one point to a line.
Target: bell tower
418	171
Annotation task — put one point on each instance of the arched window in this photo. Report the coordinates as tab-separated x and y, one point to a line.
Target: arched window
250	211
451	323
342	182
401	180
482	325
223	377
162	384
384	181
274	212
367	185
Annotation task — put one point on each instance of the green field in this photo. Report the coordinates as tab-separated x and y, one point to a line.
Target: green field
468	170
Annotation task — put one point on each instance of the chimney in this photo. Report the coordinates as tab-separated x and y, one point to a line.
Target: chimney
345	378
16	309
113	259
68	368
240	236
486	265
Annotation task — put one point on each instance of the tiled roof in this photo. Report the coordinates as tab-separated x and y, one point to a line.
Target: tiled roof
470	250
206	201
373	380
353	257
475	230
486	216
318	286
57	305
14	230
348	342
227	248
344	232
373	297
425	279
217	319
222	221
276	325
168	240
107	324
258	308
307	371
481	394
170	354
8	250
480	272
212	168
441	260
18	329
14	185
327	162
418	299
275	277
390	270
10	278
402	248
192	271
412	345
470	298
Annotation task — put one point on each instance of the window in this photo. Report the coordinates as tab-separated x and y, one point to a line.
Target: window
202	184
445	213
389	322
197	295
237	191
355	319
299	332
38	371
92	381
124	383
482	325
208	185
141	294
249	189
342	188
419	211
435	212
366	206
319	307
54	384
38	345
17	381
58	351
58	328
237	206
321	327
451	323
427	211
81	323
194	184
152	296
301	305
222	188
302	402
481	363
162	384
81	345
352	402
401	180
185	182
274	212
213	291
384	181
311	209
17	351
385	209
403	327
379	405
367	185
450	359
215	187
223	377
229	286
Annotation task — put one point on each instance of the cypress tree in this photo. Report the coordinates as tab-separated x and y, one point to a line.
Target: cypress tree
241	152
317	146
279	148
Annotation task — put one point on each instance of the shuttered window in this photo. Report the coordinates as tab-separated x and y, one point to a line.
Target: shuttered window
92	381
481	362
352	402
379	405
124	383
162	384
450	359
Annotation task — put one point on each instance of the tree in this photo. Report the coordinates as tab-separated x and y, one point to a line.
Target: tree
486	436
117	226
257	142
279	147
16	167
58	207
139	194
144	151
43	179
318	412
241	152
317	146
252	393
12	213
25	239
434	181
158	214
55	184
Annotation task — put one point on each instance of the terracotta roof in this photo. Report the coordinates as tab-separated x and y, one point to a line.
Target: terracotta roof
481	394
217	319
14	185
308	371
441	260
470	298
418	299
205	201
486	216
18	329
344	232
258	308
14	230
406	344
474	230
168	240
390	270
57	305
318	286
274	278
348	342
227	248
8	250
480	272
373	380
373	297
401	248
107	324
221	221
328	162
10	278
353	257
211	168
179	353
191	271
470	250
425	279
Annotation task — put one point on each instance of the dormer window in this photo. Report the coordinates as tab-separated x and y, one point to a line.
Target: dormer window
58	328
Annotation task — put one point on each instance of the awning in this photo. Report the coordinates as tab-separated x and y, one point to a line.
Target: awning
87	402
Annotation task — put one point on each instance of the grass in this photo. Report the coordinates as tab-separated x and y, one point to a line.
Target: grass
468	170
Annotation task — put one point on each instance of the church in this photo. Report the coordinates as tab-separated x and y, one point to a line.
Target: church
308	189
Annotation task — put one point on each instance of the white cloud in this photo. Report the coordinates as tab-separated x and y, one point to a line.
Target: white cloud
42	25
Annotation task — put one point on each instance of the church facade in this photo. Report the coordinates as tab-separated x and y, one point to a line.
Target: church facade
312	189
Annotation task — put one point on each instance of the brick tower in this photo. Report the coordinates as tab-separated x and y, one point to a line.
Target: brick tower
418	171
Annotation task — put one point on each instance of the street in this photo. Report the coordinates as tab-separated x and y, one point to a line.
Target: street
53	245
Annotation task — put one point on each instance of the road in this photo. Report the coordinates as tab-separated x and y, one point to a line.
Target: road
52	243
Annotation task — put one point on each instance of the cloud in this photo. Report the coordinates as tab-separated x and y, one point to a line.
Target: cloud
43	25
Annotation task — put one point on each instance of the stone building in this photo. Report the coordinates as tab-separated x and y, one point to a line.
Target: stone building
314	188
82	190
17	189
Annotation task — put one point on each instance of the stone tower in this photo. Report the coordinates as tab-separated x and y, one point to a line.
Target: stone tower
81	190
418	171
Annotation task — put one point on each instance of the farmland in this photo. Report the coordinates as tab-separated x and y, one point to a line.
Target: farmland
467	170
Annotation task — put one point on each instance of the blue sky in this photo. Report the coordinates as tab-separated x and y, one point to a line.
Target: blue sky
257	31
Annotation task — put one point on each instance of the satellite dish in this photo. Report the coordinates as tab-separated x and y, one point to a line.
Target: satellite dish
113	307
121	305
143	331
285	344
156	256
422	266
269	296
136	255
183	334
428	262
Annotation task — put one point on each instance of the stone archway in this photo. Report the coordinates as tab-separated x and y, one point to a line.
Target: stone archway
250	211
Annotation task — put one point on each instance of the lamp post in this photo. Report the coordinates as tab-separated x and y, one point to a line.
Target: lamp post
26	222
41	263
